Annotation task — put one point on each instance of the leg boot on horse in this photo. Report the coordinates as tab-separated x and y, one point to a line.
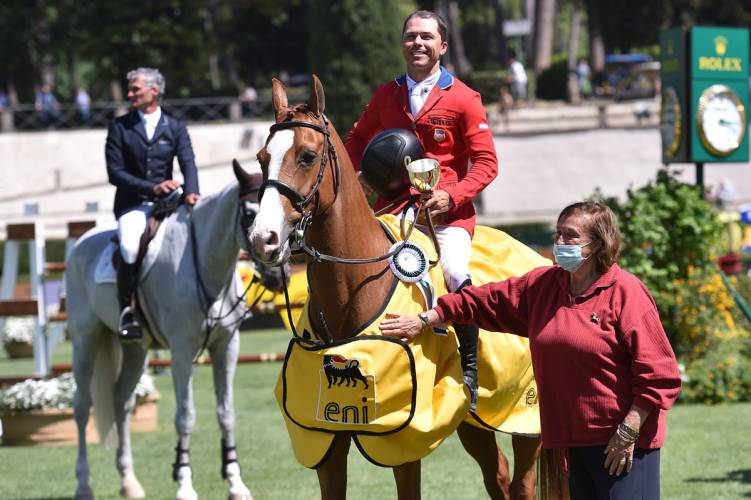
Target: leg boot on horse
129	329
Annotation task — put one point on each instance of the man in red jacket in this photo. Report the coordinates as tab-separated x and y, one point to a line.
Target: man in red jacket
450	121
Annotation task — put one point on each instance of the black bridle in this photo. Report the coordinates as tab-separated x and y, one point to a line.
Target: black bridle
298	200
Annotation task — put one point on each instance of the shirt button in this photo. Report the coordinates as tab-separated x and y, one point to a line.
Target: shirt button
414	126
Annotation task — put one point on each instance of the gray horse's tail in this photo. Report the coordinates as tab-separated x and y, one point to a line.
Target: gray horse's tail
106	369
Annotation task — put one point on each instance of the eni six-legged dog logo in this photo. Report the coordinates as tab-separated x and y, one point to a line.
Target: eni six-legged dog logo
346	395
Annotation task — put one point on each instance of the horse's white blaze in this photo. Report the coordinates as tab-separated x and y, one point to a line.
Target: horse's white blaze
271	217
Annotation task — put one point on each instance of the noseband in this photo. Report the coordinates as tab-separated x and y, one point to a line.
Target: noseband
299	201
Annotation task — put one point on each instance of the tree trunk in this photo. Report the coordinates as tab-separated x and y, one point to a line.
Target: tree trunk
543	33
43	38
458	58
596	42
574	92
209	28
502	46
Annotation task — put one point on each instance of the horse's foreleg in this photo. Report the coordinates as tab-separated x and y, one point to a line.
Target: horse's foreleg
83	366
407	478
481	445
185	421
332	474
526	451
224	360
134	358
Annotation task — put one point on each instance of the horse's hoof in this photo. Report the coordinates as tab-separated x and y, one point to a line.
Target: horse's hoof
132	490
84	492
186	494
240	494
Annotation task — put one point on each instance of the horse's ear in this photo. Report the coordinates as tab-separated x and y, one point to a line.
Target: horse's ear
317	100
243	177
278	97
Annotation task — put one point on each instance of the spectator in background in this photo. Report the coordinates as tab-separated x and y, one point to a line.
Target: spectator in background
584	77
505	103
47	106
4	101
248	98
518	79
83	105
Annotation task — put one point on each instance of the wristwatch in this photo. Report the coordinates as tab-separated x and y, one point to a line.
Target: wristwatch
424	318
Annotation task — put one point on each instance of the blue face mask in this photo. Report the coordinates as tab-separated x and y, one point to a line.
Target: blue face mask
569	257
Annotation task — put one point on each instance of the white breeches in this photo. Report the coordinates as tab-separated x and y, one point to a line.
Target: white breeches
130	227
456	250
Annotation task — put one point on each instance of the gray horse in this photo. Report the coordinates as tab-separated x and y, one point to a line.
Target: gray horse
190	296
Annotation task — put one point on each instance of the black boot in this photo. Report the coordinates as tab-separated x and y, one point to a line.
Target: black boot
468	335
128	327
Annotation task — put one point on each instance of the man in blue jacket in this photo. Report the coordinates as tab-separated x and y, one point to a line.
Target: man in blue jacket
140	150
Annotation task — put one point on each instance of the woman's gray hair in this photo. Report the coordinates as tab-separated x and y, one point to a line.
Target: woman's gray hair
152	76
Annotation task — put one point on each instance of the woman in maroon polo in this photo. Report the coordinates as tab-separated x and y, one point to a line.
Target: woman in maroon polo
605	370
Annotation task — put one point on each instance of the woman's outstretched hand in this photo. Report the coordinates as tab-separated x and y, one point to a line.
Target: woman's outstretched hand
404	327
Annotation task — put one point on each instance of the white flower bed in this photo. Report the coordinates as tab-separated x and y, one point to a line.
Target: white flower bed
56	393
20	329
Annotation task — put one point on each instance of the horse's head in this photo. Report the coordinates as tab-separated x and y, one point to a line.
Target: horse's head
248	201
294	163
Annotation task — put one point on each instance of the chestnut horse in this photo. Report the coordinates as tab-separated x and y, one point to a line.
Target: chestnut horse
312	193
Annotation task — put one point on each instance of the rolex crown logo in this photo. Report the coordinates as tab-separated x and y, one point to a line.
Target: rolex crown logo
720	45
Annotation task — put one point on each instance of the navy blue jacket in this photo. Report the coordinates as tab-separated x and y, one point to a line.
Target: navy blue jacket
135	165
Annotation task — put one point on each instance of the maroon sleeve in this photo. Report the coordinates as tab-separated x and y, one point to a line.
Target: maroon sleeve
499	306
656	380
482	156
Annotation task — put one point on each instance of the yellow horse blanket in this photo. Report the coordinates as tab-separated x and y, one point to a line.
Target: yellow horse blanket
399	401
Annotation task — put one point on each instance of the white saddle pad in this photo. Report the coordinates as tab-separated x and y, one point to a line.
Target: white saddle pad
105	272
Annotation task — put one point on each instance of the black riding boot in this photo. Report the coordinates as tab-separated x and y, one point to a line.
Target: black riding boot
468	335
128	328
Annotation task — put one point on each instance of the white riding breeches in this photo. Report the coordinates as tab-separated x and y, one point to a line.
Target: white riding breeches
456	250
130	227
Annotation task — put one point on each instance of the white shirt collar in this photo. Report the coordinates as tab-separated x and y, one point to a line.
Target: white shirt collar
428	83
150	121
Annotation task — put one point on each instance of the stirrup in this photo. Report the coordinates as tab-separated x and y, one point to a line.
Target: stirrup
128	328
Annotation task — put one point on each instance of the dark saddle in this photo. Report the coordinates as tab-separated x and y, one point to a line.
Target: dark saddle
129	325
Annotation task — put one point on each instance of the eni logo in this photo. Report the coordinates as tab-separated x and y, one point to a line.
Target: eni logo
720	63
346	394
530	398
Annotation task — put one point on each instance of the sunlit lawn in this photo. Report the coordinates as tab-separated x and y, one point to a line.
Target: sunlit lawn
707	454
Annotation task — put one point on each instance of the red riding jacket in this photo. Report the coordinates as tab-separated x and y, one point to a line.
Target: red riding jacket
453	129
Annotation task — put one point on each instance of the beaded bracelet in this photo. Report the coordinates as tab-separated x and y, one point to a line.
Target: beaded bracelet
627	433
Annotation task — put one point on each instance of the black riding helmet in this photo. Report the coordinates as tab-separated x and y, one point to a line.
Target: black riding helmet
383	163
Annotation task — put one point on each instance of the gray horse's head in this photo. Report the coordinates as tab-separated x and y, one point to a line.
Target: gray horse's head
271	276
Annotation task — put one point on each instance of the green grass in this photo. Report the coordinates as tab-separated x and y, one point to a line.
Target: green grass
707	453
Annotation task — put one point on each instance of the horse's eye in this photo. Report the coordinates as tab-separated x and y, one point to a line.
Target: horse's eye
308	157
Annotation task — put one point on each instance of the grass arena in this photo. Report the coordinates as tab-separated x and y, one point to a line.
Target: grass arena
271	471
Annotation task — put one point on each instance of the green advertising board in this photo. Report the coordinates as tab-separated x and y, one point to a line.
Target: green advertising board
705	96
673	111
719	94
